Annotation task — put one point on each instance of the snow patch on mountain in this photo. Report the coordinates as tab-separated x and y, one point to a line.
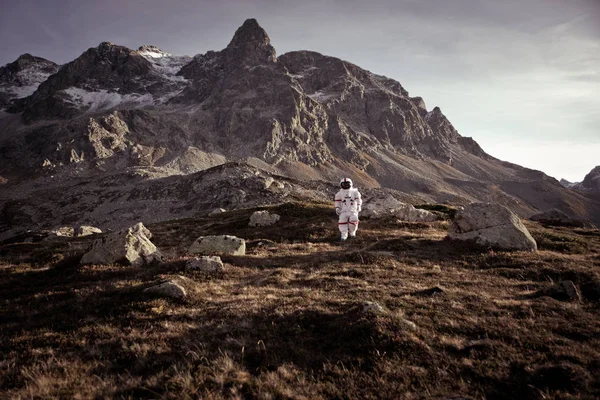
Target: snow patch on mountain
104	100
166	64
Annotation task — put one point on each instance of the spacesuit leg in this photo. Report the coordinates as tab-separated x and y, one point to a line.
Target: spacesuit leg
353	224
343	225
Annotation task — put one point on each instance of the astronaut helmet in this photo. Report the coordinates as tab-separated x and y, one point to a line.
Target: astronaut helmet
346	183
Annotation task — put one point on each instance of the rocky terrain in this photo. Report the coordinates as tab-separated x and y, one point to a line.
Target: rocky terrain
116	119
399	312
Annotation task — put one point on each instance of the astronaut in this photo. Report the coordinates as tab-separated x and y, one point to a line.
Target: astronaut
348	204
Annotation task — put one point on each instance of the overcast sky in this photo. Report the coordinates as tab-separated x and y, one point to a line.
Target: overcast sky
522	77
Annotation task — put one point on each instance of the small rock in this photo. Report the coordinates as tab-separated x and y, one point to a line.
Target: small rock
217	211
169	289
86	230
370	307
263	218
407	324
563	290
571	290
205	264
434	291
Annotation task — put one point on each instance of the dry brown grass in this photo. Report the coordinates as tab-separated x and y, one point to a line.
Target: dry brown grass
284	321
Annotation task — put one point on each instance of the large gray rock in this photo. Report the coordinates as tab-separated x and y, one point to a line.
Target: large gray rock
205	264
263	218
380	206
131	246
491	225
223	244
388	205
409	213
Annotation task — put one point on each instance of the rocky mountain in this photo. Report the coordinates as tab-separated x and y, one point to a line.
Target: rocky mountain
21	78
591	182
305	116
567	183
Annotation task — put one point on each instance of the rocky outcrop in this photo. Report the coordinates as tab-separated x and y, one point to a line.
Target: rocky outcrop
131	247
224	244
491	225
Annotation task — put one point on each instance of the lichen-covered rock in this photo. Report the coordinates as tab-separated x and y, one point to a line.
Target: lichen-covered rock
491	224
205	264
223	244
132	247
263	218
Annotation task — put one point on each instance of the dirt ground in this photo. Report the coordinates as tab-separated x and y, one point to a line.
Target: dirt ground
286	320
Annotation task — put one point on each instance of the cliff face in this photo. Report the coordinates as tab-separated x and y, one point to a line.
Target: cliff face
302	114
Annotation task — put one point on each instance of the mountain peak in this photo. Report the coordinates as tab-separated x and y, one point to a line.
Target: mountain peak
152	51
250	41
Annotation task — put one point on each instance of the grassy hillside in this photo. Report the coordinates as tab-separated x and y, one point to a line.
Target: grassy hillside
286	322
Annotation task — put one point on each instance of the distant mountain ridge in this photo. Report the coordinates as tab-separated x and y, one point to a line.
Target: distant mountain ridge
22	77
303	115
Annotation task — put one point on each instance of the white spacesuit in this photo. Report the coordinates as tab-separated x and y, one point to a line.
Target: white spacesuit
348	204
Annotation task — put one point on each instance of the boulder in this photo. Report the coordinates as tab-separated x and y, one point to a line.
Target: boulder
263	218
205	264
491	224
380	206
131	246
223	244
86	230
388	205
409	213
